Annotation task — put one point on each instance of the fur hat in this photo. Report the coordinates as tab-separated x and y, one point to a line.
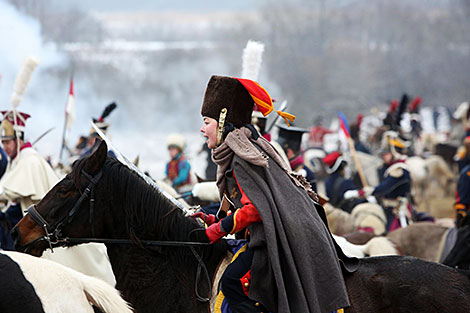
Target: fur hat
226	92
177	141
238	96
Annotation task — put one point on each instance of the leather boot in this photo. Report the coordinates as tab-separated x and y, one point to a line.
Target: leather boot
246	307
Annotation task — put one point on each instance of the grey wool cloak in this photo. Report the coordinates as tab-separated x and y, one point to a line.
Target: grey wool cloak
295	265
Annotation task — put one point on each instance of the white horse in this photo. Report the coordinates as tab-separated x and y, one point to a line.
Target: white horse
59	289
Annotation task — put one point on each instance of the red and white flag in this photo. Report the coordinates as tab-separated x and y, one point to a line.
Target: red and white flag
70	108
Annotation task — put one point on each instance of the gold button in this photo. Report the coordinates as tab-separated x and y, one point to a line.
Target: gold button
246	285
257	304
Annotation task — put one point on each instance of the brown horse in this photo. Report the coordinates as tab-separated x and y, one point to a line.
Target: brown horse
121	205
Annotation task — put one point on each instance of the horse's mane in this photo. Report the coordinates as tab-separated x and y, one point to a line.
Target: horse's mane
140	212
148	213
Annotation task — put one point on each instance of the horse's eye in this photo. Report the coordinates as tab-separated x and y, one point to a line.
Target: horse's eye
62	191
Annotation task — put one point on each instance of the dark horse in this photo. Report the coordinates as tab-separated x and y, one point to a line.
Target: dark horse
164	279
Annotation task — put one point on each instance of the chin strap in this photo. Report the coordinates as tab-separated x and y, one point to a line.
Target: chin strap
220	127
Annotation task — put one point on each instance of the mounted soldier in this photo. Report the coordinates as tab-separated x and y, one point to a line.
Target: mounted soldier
338	187
28	176
178	169
276	268
395	188
290	139
93	140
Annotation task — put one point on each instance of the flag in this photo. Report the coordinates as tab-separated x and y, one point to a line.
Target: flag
70	108
343	123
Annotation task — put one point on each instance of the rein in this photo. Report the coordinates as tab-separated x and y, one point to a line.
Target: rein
53	234
166	243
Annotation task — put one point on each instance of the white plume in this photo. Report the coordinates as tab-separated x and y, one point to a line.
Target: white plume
252	59
443	120
22	80
427	120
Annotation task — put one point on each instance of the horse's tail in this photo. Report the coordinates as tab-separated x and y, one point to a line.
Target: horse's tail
103	296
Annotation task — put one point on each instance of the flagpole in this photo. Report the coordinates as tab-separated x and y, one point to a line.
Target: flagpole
344	125
356	161
63	138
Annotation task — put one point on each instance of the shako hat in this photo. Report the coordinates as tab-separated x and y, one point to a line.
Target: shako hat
259	120
333	160
290	137
397	146
11	127
237	96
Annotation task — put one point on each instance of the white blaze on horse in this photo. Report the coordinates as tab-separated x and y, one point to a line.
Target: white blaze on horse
31	285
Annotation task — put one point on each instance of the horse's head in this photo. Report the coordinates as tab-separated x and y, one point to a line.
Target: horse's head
70	199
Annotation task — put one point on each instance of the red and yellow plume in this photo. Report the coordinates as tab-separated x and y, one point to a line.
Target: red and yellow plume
263	100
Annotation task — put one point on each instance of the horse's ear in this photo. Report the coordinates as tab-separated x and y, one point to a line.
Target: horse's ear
96	160
200	179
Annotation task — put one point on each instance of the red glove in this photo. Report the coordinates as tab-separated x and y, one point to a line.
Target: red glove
214	233
209	219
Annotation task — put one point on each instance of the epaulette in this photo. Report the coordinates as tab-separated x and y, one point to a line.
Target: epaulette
396	170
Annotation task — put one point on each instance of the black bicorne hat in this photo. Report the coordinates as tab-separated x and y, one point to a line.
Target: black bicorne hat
290	137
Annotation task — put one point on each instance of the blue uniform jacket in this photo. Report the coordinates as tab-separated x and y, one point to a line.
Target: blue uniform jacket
393	186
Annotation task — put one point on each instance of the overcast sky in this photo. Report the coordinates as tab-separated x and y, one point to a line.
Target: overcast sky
159	5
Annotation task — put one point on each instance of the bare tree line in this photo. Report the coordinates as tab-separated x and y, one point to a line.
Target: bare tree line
329	57
322	56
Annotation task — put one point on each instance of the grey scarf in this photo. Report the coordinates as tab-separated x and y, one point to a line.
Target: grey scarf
241	142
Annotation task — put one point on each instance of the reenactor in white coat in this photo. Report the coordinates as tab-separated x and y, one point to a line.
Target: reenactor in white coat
28	176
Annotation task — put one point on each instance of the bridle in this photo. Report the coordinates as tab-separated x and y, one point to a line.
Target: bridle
53	234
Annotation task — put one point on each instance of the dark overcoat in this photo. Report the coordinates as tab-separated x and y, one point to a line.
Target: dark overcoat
296	263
